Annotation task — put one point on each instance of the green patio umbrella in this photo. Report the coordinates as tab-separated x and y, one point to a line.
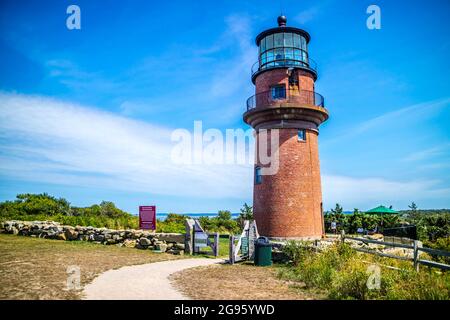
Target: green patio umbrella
381	210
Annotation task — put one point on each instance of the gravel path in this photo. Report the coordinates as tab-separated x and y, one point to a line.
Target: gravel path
148	281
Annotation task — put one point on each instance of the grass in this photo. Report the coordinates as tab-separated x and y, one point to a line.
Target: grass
32	268
343	273
224	249
239	282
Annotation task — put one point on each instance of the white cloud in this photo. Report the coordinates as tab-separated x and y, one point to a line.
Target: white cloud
428	153
51	141
234	75
406	116
366	193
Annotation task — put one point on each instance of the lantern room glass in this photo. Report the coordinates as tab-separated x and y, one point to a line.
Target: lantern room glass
283	49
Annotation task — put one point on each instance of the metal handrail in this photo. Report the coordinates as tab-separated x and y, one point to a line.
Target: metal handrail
268	99
307	63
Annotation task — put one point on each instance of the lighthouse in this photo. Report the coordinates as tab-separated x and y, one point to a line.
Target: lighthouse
287	203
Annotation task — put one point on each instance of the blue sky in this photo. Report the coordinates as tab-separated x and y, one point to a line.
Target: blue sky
87	114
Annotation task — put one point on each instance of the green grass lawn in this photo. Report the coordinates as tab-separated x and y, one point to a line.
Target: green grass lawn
224	249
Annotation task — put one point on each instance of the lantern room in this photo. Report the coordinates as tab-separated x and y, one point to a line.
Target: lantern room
283	47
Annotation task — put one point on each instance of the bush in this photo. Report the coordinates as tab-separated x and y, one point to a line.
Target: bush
425	285
440	244
222	223
342	273
350	282
45	207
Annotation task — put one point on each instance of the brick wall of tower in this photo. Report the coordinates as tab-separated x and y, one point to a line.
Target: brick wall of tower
279	76
288	204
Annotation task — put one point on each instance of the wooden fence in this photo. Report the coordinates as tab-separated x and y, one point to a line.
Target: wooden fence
416	252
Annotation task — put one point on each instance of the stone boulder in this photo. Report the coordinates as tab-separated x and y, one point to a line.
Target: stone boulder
176	252
161	246
376	236
170	237
61	236
71	234
144	242
180	246
129	243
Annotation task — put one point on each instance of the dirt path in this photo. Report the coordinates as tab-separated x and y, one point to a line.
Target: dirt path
147	281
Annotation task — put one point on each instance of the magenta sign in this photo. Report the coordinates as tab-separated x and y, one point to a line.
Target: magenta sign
147	217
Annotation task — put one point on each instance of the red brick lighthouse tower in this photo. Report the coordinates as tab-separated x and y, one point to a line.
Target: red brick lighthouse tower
288	203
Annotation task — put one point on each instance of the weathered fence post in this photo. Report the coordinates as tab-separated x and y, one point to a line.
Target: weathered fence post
193	241
216	244
231	253
342	236
416	255
189	226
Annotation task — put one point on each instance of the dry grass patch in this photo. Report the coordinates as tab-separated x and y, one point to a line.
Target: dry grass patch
32	268
238	282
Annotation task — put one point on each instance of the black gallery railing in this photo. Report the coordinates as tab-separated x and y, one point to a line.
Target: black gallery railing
276	97
306	63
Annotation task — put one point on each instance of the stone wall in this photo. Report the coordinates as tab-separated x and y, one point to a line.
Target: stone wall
161	242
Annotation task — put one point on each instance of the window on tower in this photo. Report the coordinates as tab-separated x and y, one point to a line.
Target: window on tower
278	92
288	40
301	135
258	176
283	49
278	40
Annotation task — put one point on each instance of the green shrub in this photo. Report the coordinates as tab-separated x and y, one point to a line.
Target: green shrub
425	285
170	227
296	250
440	244
350	282
343	273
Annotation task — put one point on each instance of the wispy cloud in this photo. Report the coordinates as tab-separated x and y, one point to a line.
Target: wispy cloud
51	141
74	77
428	153
364	193
391	119
215	80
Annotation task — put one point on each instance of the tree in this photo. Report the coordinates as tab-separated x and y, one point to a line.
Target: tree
413	213
246	214
337	209
224	215
413	206
336	215
354	221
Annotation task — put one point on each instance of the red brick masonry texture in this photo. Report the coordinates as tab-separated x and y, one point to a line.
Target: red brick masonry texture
288	204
